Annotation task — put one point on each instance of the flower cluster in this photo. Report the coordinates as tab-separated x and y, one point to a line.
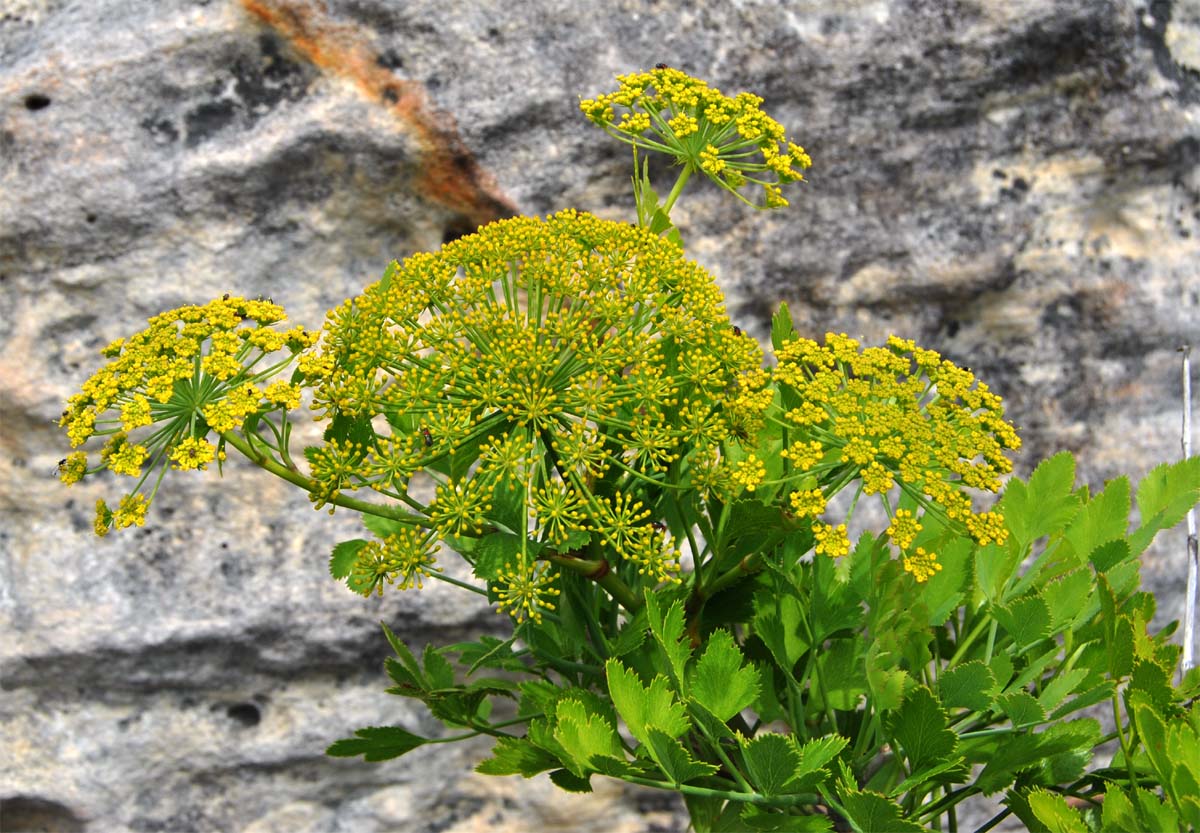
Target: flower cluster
895	416
193	371
731	140
571	368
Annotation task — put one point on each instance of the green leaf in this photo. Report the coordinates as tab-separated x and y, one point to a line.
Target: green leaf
886	681
1026	619
389	274
921	728
438	671
643	708
1117	814
1062	685
968	686
1097	694
1046	504
517	756
995	564
376	743
494	552
782	329
488	652
871	812
771	761
1110	554
1163	498
814	756
584	735
564	779
942	593
752	818
631	636
1160	816
675	761
777	622
843	673
1104	518
668	630
1067	597
955	766
1021	707
404	669
344	556
1053	811
718	680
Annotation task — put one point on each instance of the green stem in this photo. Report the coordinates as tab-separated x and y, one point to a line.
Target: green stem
599	572
728	795
309	485
684	176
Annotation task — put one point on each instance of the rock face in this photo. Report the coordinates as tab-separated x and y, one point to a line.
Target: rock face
1014	184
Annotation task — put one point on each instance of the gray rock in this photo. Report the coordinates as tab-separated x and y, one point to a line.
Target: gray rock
1013	184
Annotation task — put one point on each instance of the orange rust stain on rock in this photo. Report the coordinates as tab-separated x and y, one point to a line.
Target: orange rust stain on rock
450	174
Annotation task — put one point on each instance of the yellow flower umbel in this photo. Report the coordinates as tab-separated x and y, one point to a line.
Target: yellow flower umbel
895	417
730	140
552	377
191	372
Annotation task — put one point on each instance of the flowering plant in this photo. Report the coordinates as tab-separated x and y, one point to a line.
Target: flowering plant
666	522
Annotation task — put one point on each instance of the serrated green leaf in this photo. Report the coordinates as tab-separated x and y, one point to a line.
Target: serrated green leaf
383	527
644	707
1053	811
564	779
1117	814
921	728
1110	554
771	761
752	818
871	812
376	743
719	682
675	761
1160	816
494	552
1021	708
955	766
438	671
1154	737
1104	518
1062	685
1067	597
404	669
584	735
814	756
517	756
782	329
995	564
1045	504
668	629
488	652
631	636
886	681
1097	694
943	592
843	673
1026	619
777	622
341	562
1163	498
967	686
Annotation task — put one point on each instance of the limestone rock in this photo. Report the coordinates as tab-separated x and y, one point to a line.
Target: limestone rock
1013	184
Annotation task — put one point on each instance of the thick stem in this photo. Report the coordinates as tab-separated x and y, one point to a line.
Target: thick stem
677	189
309	485
599	572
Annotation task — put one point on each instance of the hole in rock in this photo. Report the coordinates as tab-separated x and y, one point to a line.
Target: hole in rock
29	814
36	101
247	714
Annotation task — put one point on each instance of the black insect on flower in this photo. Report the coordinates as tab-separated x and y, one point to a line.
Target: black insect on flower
661	66
427	436
62	464
737	331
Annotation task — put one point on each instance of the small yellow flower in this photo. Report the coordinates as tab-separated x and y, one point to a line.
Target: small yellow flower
923	565
832	541
749	473
193	453
807	503
903	529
